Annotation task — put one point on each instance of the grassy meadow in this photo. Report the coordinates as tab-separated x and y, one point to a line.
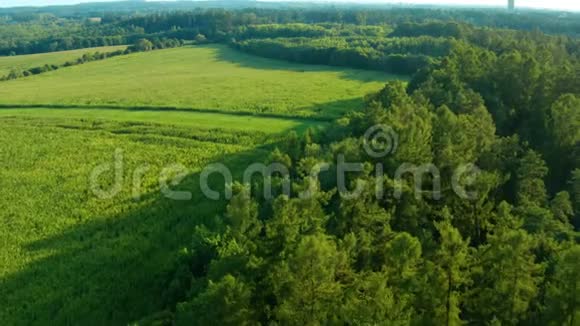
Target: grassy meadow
59	241
210	77
52	58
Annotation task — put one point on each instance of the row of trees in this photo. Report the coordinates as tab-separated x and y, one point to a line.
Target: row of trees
17	73
227	20
309	30
60	34
394	55
142	45
405	49
431	28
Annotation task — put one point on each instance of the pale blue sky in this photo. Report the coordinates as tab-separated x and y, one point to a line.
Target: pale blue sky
555	4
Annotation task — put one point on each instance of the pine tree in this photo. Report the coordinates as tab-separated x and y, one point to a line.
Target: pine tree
370	301
305	285
563	297
530	179
452	259
402	258
506	278
225	302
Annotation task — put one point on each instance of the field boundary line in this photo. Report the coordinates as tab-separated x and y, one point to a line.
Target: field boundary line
165	108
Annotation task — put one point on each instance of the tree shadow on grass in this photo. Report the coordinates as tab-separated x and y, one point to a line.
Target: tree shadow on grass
308	115
113	270
332	110
242	59
160	109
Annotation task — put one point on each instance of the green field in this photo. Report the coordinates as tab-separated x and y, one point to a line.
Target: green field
210	77
52	58
63	249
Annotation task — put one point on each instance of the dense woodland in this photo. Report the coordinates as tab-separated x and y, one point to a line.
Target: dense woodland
65	28
394	55
500	91
509	256
507	101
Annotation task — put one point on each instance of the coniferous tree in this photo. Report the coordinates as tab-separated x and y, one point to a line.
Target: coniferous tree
563	293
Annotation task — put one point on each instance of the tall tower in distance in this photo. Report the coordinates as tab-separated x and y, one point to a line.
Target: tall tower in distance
511	4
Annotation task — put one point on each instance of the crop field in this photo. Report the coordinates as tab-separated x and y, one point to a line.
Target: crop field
207	78
52	58
60	241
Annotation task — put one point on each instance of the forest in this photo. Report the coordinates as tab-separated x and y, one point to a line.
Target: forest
65	28
509	256
493	94
505	101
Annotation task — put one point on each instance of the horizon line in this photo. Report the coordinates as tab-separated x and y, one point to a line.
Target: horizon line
374	3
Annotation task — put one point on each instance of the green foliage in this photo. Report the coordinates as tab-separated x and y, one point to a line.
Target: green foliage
227	300
507	277
496	257
200	39
393	55
452	258
433	28
530	178
281	30
564	289
370	301
564	121
142	45
306	284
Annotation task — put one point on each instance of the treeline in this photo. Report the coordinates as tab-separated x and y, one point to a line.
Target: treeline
309	31
497	40
60	34
394	55
142	45
17	73
227	20
60	44
408	49
432	28
38	32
